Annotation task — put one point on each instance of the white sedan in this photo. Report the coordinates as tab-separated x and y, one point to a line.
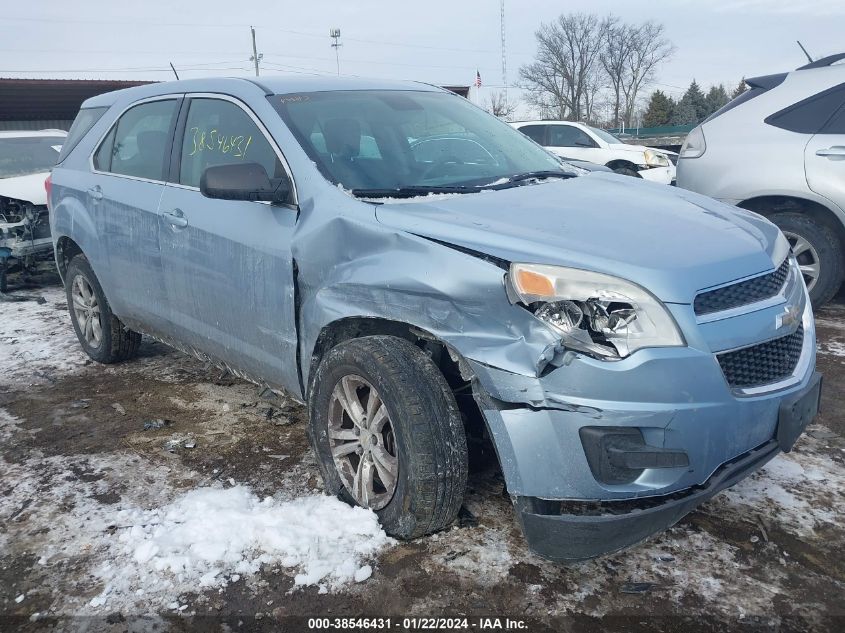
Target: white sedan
583	142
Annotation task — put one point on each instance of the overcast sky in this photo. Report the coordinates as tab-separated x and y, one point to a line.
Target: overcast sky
438	41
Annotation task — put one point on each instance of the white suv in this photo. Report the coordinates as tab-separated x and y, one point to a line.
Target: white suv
779	149
583	142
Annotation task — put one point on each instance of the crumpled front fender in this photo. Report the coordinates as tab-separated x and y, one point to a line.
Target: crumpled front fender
349	267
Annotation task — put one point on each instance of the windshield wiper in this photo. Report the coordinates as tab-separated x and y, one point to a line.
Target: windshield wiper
529	175
411	191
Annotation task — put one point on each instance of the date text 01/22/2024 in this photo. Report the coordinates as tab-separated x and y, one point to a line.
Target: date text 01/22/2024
418	624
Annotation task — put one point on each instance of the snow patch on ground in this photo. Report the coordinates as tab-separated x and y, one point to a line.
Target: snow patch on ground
211	536
37	340
801	491
157	541
832	347
480	552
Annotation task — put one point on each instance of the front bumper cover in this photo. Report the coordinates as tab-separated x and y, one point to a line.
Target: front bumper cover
580	530
574	537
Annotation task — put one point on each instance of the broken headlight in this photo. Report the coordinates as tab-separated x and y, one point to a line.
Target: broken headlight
600	315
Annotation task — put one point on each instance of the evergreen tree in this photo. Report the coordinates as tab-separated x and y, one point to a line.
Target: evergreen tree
659	111
739	89
716	98
684	113
692	107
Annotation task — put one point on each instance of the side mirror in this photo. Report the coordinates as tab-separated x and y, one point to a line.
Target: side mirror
584	144
242	181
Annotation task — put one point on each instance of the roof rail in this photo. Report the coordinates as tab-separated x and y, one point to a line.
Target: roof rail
824	61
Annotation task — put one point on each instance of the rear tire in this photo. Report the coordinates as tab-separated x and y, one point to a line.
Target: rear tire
426	433
101	334
819	253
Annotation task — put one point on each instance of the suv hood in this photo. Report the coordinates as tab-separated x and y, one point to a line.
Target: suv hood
29	188
672	242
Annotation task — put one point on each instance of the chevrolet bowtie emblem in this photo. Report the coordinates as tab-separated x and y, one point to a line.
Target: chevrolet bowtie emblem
790	316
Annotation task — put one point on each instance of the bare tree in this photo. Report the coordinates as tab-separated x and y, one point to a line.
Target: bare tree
564	76
618	38
501	106
630	56
648	49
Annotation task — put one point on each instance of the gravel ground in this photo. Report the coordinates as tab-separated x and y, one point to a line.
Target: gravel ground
83	485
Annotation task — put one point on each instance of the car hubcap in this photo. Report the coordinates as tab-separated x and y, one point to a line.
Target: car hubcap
86	308
807	257
362	442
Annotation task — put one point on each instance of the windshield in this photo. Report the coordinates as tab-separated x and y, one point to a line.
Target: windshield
372	140
24	155
607	137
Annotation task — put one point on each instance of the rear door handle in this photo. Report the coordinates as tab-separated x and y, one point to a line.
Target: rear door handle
96	193
837	151
176	218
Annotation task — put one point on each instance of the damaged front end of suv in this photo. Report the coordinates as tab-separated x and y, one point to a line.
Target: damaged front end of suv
25	162
24	236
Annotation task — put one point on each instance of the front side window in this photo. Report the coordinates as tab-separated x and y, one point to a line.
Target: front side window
138	144
219	132
367	140
22	155
569	136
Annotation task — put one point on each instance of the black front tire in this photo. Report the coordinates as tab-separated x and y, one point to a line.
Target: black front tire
827	247
627	171
117	342
427	425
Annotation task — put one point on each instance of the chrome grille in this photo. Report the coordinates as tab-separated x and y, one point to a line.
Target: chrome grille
743	293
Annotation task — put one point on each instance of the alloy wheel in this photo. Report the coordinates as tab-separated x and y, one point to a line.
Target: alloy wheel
807	257
86	308
362	442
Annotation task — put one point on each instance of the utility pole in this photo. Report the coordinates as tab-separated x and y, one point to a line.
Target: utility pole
335	35
255	56
504	51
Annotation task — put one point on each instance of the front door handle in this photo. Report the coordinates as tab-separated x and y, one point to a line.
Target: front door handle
96	193
176	218
837	151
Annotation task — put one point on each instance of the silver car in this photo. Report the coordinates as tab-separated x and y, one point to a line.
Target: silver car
779	149
432	283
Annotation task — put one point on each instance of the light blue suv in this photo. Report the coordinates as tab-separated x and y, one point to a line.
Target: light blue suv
431	282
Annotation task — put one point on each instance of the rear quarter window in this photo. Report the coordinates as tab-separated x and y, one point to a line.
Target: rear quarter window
810	115
536	133
82	124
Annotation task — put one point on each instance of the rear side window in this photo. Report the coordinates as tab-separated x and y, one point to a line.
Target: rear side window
137	144
810	115
219	132
83	122
836	125
536	133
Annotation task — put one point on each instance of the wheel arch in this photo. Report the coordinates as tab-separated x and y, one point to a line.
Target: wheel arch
66	250
449	361
623	164
769	205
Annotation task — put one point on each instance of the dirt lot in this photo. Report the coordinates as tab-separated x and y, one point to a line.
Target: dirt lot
76	462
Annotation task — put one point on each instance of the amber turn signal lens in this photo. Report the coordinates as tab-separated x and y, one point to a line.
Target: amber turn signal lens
530	283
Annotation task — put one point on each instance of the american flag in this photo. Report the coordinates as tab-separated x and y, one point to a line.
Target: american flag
477	79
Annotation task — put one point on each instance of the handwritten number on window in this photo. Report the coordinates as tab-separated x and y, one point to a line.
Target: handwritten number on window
213	140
